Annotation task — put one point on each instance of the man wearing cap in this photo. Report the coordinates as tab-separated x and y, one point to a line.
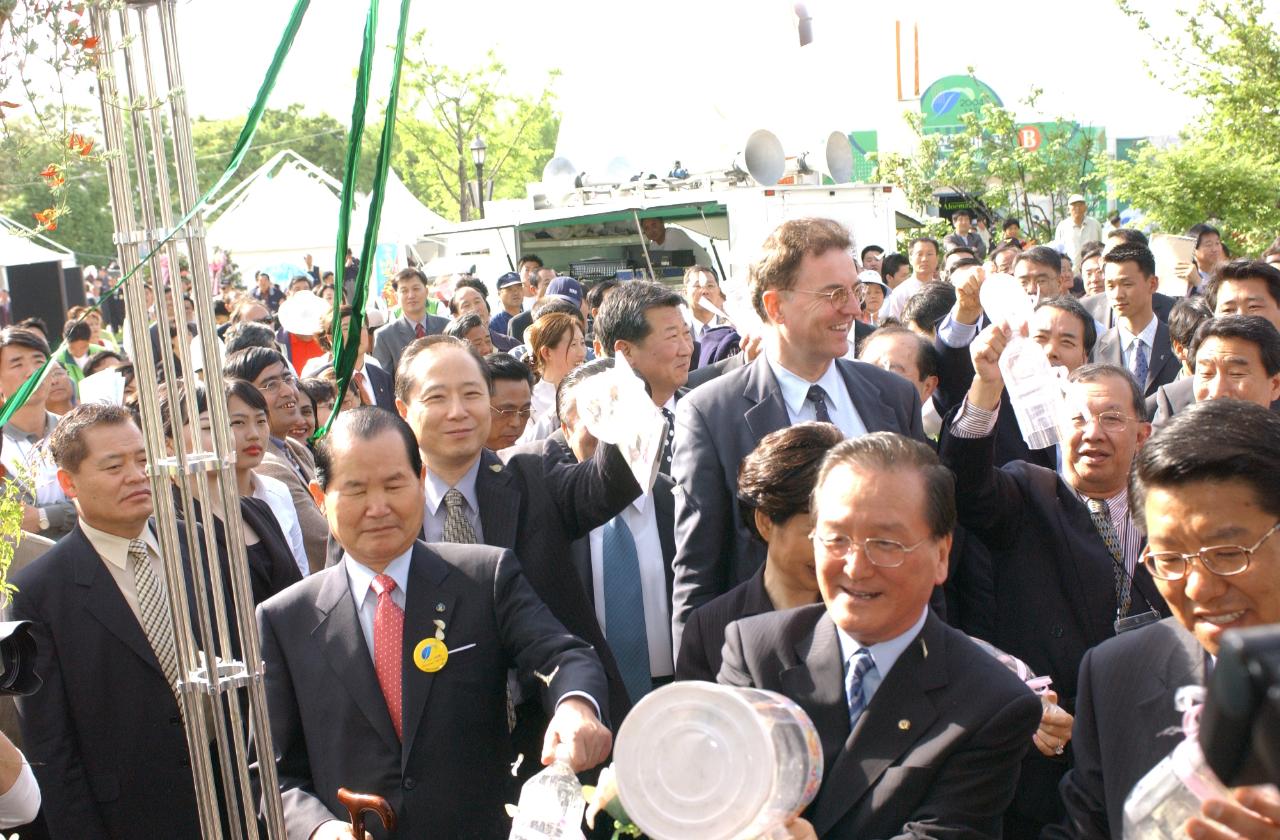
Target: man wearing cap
519	323
1072	233
511	295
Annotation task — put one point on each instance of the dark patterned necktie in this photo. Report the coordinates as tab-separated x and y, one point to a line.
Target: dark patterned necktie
1111	539
818	397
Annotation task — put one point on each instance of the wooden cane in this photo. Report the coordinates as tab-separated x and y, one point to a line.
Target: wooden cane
358	804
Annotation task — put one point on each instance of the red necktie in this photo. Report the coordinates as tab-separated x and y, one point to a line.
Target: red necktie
388	633
419	331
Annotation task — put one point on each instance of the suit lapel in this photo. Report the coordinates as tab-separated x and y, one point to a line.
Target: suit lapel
342	643
768	411
422	609
1108	350
816	682
105	602
1161	355
875	412
499	502
1183	665
879	738
1092	591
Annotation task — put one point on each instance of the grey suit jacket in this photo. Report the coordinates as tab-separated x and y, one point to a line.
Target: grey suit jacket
936	752
1162	367
719	424
1174	397
1125	723
315	528
389	341
1100	308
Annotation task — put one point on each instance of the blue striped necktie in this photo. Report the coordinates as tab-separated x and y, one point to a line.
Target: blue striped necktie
858	666
624	608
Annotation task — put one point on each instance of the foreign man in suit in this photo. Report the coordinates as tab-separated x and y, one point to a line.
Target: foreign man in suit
1207	489
1065	548
104	734
803	287
286	459
922	731
360	693
644	323
1139	341
414	322
1240	287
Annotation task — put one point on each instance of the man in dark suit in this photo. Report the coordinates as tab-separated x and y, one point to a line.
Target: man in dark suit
104	734
361	695
375	384
803	287
1139	341
922	731
1195	489
414	322
542	278
1065	548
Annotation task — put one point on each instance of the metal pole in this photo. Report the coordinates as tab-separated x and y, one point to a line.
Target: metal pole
644	246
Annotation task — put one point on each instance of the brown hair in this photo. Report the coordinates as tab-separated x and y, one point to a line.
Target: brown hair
548	331
777	478
783	250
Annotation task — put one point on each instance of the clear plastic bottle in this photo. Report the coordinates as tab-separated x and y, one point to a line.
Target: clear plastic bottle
551	804
1034	385
1163	800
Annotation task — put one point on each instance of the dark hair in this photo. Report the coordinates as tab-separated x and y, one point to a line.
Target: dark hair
623	316
1040	255
97	360
929	305
246	393
67	443
962	211
530	258
961	249
305	278
471	283
937	249
1134	253
1131	236
783	250
459	327
963	262
1068	304
508	368
778	476
1243	445
37	325
220	308
23	337
320	390
325	337
1244	270
406	383
547	307
244	334
1200	231
1251	328
1096	371
891	452
1010	222
249	363
928	359
1185	317
862	255
601	288
1000	249
169	397
891	263
1092	248
76	331
409	274
575	377
364	423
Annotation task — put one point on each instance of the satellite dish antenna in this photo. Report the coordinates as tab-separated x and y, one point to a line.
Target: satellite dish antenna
559	179
834	160
763	157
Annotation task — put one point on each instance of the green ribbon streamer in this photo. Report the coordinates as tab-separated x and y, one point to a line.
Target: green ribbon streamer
237	157
345	352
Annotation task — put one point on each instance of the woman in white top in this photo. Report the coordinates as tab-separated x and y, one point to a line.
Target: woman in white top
556	346
19	793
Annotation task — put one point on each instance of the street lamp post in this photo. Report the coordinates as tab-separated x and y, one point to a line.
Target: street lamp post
477	157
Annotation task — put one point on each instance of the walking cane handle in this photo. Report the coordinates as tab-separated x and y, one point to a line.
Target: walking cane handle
358	804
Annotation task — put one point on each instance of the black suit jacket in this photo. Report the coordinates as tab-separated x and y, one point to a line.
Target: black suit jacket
104	734
706	373
936	751
717	426
1125	723
383	384
1100	308
518	324
699	657
1162	366
329	721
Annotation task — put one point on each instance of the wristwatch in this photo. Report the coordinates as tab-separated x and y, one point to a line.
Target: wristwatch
44	518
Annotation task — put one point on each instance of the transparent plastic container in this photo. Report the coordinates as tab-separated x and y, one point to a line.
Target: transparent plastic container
1163	800
1034	385
551	804
695	759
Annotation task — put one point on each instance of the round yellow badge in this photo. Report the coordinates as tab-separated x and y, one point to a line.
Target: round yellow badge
430	655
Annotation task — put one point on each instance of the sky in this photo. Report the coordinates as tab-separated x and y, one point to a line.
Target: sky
690	79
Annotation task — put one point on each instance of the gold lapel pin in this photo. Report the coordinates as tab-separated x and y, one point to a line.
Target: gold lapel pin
904	724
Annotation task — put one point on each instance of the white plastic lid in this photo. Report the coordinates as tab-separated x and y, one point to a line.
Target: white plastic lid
1005	301
694	760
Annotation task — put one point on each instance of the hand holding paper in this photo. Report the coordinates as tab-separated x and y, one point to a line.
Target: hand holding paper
618	410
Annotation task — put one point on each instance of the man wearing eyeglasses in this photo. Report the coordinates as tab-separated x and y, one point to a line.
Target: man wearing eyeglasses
918	725
1065	549
803	287
1210	504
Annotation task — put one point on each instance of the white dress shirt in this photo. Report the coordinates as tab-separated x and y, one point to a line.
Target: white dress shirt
437	511
114	552
884	654
795	392
641	519
898	298
1148	336
360	579
275	493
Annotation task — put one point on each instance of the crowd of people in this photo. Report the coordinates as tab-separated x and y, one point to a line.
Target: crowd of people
844	509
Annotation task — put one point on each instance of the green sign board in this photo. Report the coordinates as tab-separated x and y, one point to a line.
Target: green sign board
950	98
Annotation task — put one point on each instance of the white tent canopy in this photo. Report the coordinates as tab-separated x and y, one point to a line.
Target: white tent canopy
404	219
20	246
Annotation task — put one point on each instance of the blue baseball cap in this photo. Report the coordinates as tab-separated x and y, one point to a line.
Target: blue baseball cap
509	279
565	288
